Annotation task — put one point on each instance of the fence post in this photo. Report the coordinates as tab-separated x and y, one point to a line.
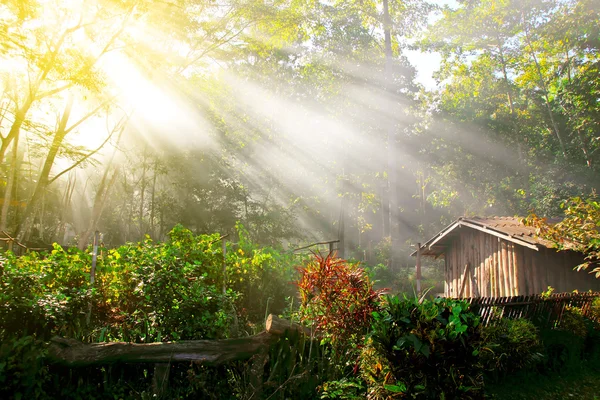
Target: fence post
94	257
418	269
160	379
224	247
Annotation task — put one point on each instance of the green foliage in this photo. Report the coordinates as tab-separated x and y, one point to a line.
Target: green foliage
346	389
510	345
297	365
431	348
572	320
45	295
263	276
23	373
562	349
143	292
594	312
565	344
513	122
578	230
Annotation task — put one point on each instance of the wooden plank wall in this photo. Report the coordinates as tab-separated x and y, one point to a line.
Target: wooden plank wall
503	269
492	261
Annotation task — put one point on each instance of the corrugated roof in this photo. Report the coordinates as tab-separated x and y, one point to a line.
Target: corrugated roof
508	228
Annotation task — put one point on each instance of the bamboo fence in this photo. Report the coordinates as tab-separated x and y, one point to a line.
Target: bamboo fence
544	310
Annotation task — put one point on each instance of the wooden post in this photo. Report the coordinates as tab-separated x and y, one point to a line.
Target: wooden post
342	247
92	274
505	269
160	379
516	275
94	257
474	285
257	370
418	269
224	247
465	279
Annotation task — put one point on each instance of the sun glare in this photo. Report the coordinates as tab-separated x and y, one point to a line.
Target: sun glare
155	106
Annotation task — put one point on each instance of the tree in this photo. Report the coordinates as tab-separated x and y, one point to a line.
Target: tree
512	71
577	231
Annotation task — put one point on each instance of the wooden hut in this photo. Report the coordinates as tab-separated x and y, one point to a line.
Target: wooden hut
499	256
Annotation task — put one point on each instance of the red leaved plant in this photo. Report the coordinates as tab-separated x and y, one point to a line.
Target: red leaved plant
337	297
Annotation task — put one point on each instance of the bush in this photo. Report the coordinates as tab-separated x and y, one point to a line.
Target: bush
430	347
510	345
564	345
338	297
22	370
343	389
143	292
595	310
338	300
573	321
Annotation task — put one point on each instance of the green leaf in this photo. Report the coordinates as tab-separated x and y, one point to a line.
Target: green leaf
401	388
456	310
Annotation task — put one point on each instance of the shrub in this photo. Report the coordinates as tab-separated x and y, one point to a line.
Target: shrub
564	345
595	310
431	348
22	371
338	297
510	345
343	389
572	320
144	292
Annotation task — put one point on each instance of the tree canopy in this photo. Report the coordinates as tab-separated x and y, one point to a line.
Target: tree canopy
303	120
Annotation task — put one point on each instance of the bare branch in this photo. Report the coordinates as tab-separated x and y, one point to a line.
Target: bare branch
82	160
54	91
119	127
89	115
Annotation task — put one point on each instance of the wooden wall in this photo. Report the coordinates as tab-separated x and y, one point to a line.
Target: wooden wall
503	268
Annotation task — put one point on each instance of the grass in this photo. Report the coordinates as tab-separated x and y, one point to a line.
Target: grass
581	385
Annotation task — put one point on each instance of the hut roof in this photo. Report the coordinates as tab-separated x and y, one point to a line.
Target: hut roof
507	228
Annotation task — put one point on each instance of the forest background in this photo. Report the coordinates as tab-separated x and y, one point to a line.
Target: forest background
303	120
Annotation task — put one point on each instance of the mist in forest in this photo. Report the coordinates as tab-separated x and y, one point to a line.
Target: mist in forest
305	122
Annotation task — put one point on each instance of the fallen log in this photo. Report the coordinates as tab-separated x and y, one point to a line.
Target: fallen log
72	353
278	326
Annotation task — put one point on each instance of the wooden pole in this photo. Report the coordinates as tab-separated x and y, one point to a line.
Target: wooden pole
474	286
465	279
418	269
160	379
224	247
94	257
343	243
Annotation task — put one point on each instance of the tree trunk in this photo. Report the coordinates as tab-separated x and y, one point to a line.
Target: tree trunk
152	200
15	128
42	183
391	136
142	192
59	235
98	208
12	179
553	124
